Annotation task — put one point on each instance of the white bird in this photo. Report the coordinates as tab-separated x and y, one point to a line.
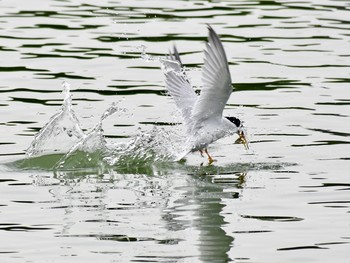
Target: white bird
203	114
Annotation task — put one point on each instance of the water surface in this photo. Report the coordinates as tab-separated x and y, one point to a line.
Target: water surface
284	200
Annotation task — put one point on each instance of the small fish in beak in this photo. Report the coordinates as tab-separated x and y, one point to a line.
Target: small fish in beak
242	139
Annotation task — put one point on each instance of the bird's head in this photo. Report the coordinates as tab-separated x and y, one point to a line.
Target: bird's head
241	131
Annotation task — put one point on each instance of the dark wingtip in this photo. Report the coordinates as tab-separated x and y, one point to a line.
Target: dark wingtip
214	39
175	48
177	55
212	33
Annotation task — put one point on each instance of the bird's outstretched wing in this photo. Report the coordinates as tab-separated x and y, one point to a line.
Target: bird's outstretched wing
216	78
178	85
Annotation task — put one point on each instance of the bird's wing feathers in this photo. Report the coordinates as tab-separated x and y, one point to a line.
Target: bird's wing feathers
176	56
216	77
178	85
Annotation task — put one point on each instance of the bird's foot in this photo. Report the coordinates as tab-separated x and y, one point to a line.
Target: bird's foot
211	160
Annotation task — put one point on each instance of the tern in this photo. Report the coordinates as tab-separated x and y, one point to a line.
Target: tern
203	114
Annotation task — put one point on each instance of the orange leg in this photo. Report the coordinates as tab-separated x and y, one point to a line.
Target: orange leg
210	159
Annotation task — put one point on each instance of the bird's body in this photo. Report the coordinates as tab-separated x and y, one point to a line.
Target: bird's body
205	133
203	114
210	131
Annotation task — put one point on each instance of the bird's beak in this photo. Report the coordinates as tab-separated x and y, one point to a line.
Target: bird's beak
242	139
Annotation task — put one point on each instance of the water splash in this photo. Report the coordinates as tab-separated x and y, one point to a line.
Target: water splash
146	57
94	151
156	145
91	149
167	63
60	133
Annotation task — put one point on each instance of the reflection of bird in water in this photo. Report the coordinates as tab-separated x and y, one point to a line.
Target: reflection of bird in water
203	115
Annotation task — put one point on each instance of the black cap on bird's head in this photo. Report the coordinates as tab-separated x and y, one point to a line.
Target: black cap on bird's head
235	121
240	131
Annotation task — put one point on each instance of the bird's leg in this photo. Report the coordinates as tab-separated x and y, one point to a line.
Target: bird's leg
210	160
201	152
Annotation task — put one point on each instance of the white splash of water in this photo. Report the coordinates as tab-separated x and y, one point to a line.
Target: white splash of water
146	57
149	58
60	133
156	145
91	148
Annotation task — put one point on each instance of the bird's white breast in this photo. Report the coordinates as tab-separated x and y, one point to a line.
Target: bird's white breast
209	131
